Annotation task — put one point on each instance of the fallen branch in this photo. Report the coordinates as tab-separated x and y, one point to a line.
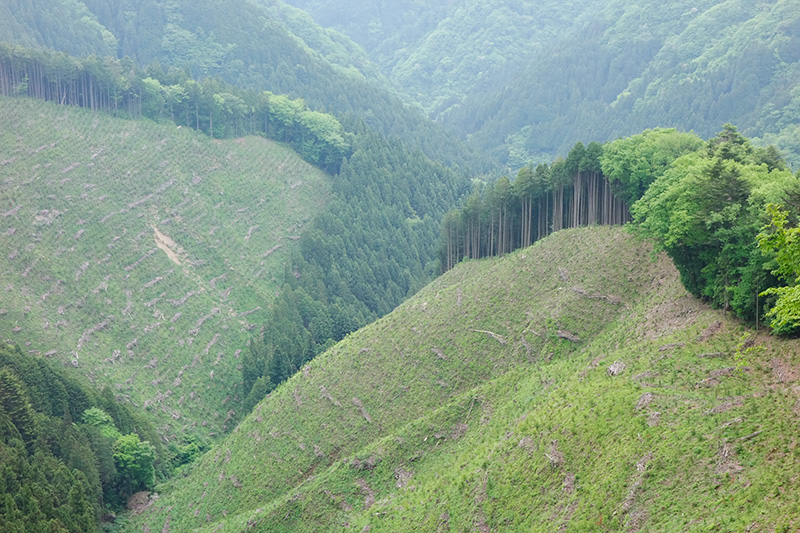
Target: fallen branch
563	334
610	299
492	334
751	435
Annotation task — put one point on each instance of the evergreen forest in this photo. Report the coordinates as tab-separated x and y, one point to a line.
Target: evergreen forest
314	265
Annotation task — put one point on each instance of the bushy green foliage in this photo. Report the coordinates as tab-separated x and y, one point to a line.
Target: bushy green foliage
705	211
56	474
782	242
134	459
94	416
633	163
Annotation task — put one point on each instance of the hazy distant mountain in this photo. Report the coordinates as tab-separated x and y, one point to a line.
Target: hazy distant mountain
526	80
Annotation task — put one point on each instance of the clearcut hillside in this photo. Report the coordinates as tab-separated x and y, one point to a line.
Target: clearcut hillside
574	386
145	255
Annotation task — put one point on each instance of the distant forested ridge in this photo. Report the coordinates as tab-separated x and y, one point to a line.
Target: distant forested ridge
259	45
439	54
523	80
626	66
70	455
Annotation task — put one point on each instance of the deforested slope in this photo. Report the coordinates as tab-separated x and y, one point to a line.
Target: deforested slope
144	254
573	384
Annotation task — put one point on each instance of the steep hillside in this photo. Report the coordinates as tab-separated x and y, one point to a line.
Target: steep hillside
631	66
145	255
573	384
253	44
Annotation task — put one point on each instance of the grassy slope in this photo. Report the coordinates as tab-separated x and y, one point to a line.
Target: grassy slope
421	421
83	198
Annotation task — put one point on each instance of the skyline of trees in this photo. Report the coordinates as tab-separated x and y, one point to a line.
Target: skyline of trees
503	216
703	203
120	88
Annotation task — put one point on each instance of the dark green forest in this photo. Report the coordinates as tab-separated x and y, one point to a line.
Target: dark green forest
71	455
375	246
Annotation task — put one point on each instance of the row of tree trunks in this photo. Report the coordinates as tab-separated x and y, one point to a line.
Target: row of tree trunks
476	232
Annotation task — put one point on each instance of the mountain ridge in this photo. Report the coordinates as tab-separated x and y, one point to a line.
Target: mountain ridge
524	83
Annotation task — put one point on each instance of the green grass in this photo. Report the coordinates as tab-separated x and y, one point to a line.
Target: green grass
523	431
81	273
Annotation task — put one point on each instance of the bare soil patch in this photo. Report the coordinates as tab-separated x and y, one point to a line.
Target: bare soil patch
674	314
168	246
784	371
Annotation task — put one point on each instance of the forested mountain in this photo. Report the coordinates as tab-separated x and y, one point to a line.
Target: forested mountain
390	196
526	80
87	182
573	384
683	64
439	54
249	43
522	80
